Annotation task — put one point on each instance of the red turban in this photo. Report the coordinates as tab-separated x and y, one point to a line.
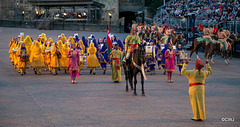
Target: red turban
199	65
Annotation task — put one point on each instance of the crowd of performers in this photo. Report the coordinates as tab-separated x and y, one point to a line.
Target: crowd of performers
71	54
44	53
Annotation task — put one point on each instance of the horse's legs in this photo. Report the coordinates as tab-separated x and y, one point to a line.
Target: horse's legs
135	83
130	79
126	78
142	81
196	51
206	52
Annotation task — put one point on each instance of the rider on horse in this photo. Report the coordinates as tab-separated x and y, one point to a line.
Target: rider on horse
221	37
207	34
131	43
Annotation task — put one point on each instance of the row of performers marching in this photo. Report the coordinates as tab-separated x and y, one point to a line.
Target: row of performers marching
53	55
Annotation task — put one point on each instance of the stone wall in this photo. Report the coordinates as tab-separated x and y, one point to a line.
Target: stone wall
111	6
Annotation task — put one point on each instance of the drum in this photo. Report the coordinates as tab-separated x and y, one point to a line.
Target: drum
24	58
83	59
183	55
174	47
150	52
162	46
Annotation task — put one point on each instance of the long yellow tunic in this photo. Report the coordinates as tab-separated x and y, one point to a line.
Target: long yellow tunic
20	64
54	59
48	54
64	59
28	43
116	74
197	92
11	46
92	59
36	57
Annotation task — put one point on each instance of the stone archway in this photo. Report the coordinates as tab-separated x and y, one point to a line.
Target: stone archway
129	16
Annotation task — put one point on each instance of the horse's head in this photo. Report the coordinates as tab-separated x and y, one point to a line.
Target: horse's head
180	37
141	52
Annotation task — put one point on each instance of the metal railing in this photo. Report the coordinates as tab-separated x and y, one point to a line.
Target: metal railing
173	21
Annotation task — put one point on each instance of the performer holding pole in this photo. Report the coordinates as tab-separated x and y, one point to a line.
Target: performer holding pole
196	79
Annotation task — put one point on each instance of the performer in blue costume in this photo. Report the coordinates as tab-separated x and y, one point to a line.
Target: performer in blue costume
163	57
179	61
120	45
158	54
104	57
151	62
85	44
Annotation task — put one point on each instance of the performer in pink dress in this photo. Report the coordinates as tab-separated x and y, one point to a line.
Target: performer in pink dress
170	62
73	55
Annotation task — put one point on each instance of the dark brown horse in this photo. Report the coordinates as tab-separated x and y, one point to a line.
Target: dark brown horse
196	45
211	49
135	65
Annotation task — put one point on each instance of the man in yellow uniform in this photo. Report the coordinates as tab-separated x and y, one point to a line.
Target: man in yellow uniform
196	80
116	57
131	43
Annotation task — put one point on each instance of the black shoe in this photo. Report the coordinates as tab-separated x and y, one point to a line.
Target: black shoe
164	73
90	71
94	73
116	81
35	72
104	72
24	72
65	71
21	74
56	73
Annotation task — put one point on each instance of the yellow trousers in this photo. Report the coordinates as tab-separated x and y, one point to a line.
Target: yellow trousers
197	99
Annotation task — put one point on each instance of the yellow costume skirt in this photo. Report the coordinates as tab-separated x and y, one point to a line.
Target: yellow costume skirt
197	99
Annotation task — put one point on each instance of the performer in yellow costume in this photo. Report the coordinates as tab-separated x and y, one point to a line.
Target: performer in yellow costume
54	64
196	79
92	59
70	40
48	54
116	57
64	59
22	64
10	51
28	43
63	38
81	54
36	57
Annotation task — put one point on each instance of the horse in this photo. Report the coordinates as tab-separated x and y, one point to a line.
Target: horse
213	47
137	61
210	50
196	45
